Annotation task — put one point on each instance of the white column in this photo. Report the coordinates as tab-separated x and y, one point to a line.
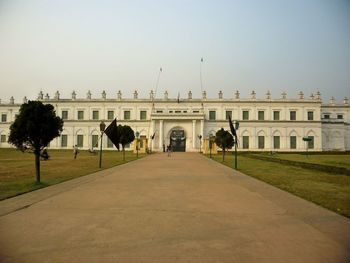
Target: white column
193	134
160	134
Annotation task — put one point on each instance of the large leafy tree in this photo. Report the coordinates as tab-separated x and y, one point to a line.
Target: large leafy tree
224	140
126	136
34	127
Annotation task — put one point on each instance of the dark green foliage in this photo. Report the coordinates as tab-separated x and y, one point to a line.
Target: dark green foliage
224	140
126	136
35	126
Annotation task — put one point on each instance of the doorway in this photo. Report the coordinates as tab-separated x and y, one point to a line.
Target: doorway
178	141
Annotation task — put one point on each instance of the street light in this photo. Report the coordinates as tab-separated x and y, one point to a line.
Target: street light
200	143
102	129
236	127
137	144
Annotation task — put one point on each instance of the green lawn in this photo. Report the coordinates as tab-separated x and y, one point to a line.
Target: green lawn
331	191
339	160
17	171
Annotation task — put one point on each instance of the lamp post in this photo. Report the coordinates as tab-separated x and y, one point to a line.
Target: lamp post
200	143
236	127
137	144
102	129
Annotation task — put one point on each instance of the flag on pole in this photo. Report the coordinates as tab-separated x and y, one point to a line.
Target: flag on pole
161	69
201	59
154	134
232	128
178	97
112	133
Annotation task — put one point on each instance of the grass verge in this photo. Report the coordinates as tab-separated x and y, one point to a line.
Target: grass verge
17	171
329	190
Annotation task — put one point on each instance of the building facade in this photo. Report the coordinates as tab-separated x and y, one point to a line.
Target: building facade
265	124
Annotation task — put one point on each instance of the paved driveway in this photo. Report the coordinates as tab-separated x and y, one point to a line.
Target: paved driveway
183	208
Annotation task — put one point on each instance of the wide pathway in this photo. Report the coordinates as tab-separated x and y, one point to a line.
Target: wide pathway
183	208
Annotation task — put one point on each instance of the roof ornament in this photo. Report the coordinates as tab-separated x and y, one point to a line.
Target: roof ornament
346	101
119	95
104	95
204	95
237	95
301	95
318	95
220	95
332	101
166	95
57	95
190	95
40	95
47	97
12	100
284	95
88	95
268	95
136	94
74	95
25	100
151	95
253	95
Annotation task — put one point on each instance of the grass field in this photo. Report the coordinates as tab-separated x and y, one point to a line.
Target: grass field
338	160
17	171
331	191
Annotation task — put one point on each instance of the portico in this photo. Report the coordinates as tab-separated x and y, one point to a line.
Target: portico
163	124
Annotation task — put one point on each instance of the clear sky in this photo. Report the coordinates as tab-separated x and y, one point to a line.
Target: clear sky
275	45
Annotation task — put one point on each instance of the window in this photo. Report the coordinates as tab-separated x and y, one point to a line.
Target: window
261	116
160	111
339	116
261	142
310	115
228	114
170	111
109	143
64	140
80	140
3	117
212	115
185	111
276	115
94	141
196	111
326	116
143	115
95	115
245	142
177	111
126	115
293	115
64	115
276	142
110	115
245	115
311	144
80	115
3	138
293	142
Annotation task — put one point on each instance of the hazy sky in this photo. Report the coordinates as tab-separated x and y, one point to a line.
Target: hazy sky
120	45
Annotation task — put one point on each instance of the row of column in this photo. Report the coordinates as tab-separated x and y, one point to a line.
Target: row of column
161	132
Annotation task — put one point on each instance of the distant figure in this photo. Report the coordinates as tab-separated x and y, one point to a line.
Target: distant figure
168	149
75	151
163	148
44	155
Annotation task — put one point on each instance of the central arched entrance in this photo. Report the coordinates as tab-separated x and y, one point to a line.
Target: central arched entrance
178	140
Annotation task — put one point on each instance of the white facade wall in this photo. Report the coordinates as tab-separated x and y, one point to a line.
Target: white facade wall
192	116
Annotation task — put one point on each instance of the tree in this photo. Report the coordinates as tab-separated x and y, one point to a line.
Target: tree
224	140
34	127
126	136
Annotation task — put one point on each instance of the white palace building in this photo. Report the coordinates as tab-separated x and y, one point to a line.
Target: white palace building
265	124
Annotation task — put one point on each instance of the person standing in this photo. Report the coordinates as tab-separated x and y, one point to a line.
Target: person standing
75	151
